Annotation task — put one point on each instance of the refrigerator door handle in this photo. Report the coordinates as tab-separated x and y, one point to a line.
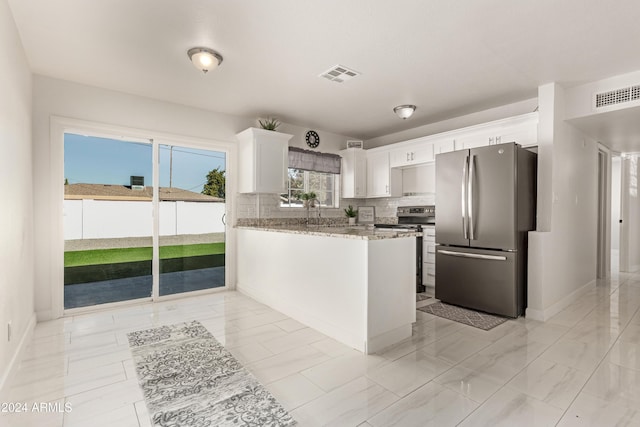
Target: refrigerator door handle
471	179
465	170
476	256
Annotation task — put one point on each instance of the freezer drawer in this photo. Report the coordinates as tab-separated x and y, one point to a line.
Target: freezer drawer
479	279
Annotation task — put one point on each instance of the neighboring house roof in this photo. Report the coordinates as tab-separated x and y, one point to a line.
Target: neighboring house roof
124	192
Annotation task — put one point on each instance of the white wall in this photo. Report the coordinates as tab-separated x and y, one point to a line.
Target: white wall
16	209
562	252
105	219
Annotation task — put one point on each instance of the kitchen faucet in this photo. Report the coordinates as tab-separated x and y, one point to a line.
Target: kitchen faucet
309	203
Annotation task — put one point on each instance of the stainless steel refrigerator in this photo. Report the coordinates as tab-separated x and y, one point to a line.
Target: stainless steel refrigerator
485	205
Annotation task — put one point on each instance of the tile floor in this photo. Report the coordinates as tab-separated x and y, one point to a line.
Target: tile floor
582	367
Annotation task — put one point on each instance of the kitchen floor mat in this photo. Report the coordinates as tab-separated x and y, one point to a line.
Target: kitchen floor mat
473	318
422	297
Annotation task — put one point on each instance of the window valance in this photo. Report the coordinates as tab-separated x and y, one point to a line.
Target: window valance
313	161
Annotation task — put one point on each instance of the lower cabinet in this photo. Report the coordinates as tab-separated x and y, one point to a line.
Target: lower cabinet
429	257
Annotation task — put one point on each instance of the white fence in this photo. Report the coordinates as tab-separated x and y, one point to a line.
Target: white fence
103	219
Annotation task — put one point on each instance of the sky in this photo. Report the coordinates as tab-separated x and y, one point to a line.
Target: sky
92	160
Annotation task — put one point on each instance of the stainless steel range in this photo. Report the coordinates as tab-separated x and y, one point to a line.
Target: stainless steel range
414	218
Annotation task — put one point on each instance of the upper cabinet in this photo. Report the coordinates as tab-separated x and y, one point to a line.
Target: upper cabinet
476	139
263	160
353	173
522	130
525	134
387	167
413	154
443	145
382	180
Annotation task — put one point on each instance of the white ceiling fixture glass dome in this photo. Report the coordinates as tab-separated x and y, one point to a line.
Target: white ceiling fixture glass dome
404	111
204	59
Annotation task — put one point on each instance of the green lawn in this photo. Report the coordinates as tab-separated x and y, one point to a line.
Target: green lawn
113	256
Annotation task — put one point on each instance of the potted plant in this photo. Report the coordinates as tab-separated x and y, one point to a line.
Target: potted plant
269	124
351	214
308	199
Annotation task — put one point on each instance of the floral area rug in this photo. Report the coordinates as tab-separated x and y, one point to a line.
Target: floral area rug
473	318
190	379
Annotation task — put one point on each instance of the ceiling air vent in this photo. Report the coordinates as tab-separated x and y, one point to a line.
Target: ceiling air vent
618	96
339	74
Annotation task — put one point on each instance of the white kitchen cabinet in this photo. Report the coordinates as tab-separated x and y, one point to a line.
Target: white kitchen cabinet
522	130
353	173
263	160
382	180
444	145
524	134
429	256
475	139
411	155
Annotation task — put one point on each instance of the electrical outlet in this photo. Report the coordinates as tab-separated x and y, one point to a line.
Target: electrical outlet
8	331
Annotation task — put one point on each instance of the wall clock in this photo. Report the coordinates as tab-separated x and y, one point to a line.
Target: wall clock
313	140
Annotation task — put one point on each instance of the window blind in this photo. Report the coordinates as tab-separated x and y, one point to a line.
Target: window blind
313	161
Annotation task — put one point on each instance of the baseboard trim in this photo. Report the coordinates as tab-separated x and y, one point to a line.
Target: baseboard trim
10	369
547	313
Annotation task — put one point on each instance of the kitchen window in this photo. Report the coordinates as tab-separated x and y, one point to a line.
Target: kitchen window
325	185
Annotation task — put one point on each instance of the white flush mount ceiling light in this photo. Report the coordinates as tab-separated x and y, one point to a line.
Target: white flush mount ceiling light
404	111
204	59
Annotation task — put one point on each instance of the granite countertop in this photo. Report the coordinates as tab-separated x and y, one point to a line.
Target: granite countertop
347	232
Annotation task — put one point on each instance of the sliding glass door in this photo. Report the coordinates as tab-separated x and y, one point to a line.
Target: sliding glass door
192	219
108	220
109	228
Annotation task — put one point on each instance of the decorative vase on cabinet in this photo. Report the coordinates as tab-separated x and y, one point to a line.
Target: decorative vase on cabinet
263	160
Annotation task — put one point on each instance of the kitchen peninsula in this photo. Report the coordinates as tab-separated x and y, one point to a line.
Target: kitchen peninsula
354	284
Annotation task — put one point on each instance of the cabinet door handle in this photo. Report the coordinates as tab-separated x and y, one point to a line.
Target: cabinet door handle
407	157
386	188
412	156
498	139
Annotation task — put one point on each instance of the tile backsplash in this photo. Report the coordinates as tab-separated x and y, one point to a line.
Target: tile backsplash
253	209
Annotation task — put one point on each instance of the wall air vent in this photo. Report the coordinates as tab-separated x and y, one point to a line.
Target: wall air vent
618	96
339	74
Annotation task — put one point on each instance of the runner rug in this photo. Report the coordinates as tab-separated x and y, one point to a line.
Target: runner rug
473	318
190	379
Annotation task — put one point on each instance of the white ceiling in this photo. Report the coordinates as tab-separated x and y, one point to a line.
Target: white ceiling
447	57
